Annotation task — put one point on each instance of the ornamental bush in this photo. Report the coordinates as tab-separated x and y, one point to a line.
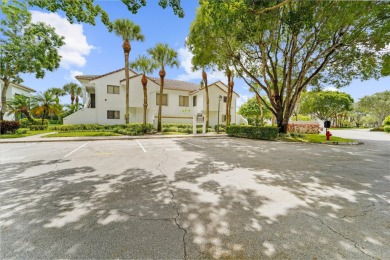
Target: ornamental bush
387	128
9	126
253	132
182	128
38	127
387	121
25	123
129	129
304	128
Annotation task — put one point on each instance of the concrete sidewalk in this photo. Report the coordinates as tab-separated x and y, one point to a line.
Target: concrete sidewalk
40	138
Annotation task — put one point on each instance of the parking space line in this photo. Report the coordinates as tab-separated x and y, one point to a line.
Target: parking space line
15	148
75	150
192	144
140	145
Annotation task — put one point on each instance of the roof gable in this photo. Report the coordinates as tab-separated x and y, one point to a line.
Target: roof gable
93	77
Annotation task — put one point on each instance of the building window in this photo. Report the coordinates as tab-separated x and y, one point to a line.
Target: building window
112	89
164	99
194	99
184	101
111	114
223	118
224	99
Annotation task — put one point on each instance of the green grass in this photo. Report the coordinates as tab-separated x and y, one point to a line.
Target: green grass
316	138
81	134
29	133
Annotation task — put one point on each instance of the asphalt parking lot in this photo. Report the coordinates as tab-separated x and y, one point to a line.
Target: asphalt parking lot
194	198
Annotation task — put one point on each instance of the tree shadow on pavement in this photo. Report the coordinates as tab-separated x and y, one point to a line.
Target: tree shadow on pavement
271	200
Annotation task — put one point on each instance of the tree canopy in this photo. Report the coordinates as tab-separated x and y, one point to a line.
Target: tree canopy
25	47
326	104
285	46
87	10
376	105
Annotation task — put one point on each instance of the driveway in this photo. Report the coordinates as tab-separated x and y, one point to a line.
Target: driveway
194	198
362	135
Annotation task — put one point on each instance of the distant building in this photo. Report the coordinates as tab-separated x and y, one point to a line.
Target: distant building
105	95
13	90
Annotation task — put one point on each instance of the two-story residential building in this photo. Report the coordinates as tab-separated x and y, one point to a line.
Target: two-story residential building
104	97
12	91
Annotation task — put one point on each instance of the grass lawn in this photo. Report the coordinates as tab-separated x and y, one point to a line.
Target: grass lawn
316	138
28	133
81	134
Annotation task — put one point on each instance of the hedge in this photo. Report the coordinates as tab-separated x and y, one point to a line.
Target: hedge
387	129
129	129
387	121
182	128
9	126
253	132
38	127
25	123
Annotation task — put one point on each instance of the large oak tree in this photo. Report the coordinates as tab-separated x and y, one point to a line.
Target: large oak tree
285	46
25	47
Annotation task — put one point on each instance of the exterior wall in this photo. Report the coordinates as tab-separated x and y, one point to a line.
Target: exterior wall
173	113
11	92
83	116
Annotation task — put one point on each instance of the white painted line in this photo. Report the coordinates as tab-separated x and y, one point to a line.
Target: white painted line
75	150
192	144
140	145
15	148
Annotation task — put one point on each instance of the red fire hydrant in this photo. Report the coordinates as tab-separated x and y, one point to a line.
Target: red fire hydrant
328	135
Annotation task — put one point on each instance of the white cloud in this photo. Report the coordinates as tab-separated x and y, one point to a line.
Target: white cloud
185	57
76	46
72	75
330	89
242	100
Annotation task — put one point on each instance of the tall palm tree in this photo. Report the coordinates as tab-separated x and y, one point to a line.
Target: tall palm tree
20	104
57	92
146	65
70	88
204	77
44	104
78	92
128	31
163	56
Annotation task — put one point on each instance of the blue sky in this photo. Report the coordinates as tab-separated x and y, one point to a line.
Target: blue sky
94	50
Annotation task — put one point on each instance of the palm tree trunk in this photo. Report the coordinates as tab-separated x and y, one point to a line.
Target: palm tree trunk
4	98
162	75
127	88
144	82
204	76
72	98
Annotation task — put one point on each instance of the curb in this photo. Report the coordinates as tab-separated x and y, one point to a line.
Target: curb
343	143
76	139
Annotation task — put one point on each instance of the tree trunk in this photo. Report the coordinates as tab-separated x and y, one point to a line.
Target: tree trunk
144	82
282	122
72	98
261	109
162	74
77	102
126	49
228	74
204	76
43	116
4	98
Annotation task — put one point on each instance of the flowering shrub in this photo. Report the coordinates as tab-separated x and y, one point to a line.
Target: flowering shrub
9	126
304	128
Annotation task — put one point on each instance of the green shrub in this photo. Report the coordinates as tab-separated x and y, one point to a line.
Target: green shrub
253	132
129	129
387	128
387	121
22	131
222	128
25	123
182	128
38	127
377	129
9	126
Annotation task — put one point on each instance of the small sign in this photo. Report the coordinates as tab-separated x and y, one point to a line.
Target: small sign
199	118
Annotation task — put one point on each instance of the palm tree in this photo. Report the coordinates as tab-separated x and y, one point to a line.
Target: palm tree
57	92
128	31
146	65
163	56
204	77
70	88
20	104
44	104
78	93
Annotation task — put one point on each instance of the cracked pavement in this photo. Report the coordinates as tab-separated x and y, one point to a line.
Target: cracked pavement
195	198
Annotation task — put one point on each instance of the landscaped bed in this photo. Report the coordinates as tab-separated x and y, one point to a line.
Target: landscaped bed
313	138
22	132
81	134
